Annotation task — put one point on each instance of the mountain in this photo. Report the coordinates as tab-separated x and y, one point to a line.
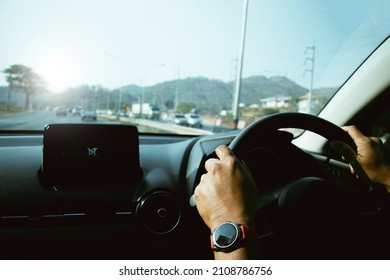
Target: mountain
257	87
208	95
214	95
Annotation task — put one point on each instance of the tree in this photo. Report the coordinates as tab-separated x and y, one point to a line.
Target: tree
20	77
13	77
185	107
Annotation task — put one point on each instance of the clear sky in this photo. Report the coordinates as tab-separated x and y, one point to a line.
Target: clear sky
120	42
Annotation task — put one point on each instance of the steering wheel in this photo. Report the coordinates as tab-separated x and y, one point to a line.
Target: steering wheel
305	205
289	120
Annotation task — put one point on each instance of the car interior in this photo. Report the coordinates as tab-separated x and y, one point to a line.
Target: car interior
110	191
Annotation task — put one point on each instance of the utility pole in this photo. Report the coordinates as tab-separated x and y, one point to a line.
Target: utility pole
233	74
236	96
177	89
310	57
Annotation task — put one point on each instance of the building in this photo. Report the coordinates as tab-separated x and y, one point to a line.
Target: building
275	102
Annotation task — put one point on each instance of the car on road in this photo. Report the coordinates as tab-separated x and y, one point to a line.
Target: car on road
123	113
76	111
178	119
104	190
61	111
88	115
193	120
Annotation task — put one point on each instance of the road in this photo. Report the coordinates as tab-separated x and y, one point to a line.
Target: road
37	120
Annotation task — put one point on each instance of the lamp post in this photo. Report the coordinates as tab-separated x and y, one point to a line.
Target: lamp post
237	91
143	86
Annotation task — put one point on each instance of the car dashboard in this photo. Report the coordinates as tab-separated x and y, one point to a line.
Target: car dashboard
37	222
153	218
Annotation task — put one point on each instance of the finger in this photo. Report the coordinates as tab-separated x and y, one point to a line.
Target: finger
356	135
211	163
352	170
192	200
198	190
350	156
223	152
344	150
376	140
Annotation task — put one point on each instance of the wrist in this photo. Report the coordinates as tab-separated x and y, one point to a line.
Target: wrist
246	252
231	240
243	220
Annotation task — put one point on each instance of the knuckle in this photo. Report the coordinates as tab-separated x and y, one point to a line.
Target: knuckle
196	191
231	162
203	179
376	140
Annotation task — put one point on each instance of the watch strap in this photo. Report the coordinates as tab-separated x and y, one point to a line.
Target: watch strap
249	234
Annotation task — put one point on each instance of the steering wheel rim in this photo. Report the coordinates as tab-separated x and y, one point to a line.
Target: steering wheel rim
270	124
289	120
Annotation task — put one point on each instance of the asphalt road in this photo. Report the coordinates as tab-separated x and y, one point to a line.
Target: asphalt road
37	120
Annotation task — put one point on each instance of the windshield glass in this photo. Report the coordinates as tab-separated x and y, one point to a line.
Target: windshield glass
139	62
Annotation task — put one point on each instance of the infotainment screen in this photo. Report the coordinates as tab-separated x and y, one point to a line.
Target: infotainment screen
85	156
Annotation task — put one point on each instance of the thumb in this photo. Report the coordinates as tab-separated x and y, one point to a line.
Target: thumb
352	158
345	151
223	151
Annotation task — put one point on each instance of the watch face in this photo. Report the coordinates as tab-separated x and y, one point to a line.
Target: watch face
225	235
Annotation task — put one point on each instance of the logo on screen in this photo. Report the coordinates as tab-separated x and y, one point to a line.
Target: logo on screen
92	152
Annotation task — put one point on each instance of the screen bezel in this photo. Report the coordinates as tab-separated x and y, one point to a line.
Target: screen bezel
63	168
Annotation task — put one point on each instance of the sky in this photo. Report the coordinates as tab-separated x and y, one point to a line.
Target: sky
144	42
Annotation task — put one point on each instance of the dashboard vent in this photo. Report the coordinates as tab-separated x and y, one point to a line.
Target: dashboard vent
159	213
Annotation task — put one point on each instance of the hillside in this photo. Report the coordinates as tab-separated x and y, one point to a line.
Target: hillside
214	95
205	94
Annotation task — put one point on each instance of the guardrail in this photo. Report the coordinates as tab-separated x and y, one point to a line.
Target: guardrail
160	125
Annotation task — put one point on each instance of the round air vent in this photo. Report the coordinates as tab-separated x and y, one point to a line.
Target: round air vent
159	213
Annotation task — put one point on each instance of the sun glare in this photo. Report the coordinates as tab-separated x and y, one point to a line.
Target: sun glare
57	72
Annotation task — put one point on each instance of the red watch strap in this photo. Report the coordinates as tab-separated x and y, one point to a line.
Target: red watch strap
249	234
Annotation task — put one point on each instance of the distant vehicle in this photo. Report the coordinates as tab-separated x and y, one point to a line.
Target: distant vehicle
148	111
193	120
88	115
61	111
178	119
76	111
123	113
154	112
90	108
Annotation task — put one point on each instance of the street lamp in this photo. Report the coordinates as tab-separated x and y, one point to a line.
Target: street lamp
143	85
237	91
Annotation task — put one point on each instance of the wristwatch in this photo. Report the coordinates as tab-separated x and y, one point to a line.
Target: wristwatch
229	236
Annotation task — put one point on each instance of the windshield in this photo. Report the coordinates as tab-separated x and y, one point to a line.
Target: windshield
139	62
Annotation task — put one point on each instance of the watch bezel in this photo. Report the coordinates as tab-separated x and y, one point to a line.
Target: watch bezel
238	236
